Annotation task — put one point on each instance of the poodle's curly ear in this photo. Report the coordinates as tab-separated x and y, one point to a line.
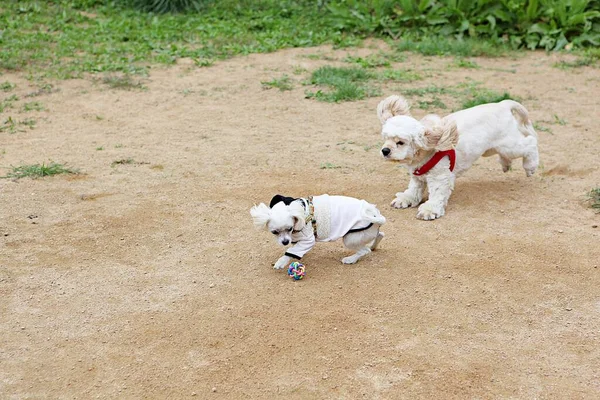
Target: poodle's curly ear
392	106
441	137
260	215
297	211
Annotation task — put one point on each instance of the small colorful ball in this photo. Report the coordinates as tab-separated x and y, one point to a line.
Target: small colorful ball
296	271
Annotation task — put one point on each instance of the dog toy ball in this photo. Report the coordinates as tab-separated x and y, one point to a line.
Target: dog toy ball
296	271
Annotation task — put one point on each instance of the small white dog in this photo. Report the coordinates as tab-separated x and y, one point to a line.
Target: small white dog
437	150
304	221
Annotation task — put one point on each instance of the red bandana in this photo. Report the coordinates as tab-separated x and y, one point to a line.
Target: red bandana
436	159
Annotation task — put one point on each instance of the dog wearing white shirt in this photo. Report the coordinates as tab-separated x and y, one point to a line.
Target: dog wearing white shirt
436	150
304	221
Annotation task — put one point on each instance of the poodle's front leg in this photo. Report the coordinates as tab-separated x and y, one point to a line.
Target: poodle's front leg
412	196
282	262
440	188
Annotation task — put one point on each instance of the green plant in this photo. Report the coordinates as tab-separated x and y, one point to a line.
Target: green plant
594	199
435	103
328	165
166	6
33	106
344	84
548	24
464	63
400	75
8	102
38	170
484	96
7	86
370	61
283	83
9	125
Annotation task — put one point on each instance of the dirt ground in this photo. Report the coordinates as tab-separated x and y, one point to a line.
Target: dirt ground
148	280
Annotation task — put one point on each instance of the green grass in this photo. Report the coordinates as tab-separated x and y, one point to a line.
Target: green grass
328	165
428	104
46	88
400	75
464	63
33	106
42	37
426	90
38	171
594	199
483	96
8	102
440	46
342	84
541	128
284	83
370	61
7	86
9	125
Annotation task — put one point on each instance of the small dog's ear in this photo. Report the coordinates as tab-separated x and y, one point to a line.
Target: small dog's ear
441	137
392	106
260	215
277	198
297	211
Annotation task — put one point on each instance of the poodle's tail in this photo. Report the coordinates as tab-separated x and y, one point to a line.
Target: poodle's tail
522	116
372	214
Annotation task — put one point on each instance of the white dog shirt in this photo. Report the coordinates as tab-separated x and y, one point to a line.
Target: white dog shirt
335	216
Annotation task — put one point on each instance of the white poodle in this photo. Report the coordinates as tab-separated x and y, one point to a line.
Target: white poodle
304	221
437	150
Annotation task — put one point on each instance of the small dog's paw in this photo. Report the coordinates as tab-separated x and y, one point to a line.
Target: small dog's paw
281	263
403	201
350	260
429	212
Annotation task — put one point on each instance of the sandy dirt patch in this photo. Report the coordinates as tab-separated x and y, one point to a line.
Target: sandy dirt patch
147	280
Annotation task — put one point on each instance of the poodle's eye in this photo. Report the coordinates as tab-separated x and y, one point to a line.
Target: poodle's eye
291	229
275	232
400	143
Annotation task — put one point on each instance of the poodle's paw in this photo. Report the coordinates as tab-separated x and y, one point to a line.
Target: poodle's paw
428	211
403	200
282	262
350	259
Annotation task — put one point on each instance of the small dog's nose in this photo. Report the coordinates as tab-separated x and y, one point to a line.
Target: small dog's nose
386	151
285	242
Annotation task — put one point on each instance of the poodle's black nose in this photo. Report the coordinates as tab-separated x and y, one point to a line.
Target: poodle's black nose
386	151
285	242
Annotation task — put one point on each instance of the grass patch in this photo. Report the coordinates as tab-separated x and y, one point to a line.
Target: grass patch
284	83
426	90
370	61
483	96
7	86
542	128
35	171
464	63
440	46
8	102
594	199
33	106
46	88
9	125
400	75
123	82
329	166
428	104
344	84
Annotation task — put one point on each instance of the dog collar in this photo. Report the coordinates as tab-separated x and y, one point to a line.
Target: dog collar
310	213
436	159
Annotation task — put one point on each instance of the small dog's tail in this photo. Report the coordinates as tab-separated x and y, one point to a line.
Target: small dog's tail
392	106
372	214
522	116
